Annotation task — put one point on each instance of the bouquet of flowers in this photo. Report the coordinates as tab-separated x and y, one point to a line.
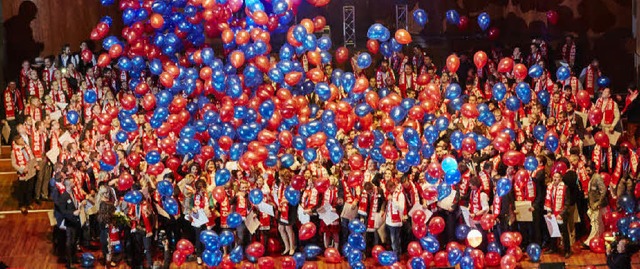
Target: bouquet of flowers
121	219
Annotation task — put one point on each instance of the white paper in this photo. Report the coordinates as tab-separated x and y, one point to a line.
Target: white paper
231	166
61	105
266	208
303	217
327	214
66	137
377	220
53	154
56	115
419	207
251	222
447	202
522	211
466	215
552	226
198	219
348	212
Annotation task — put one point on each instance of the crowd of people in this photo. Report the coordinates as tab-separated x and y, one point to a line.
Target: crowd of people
66	127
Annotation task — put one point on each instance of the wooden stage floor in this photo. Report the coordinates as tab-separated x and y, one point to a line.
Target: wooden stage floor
25	242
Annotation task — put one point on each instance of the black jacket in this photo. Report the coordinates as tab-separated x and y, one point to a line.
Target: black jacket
65	205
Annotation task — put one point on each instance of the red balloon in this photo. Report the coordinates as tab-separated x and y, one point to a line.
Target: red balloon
109	157
185	247
125	181
516	252
373	46
453	62
559	167
513	158
307	231
402	36
219	194
427	257
469	110
441	259
597	245
376	250
436	225
255	249
179	258
414	249
287	262
494	33
464	23
332	255
87	55
322	184
508	262
128	101
487	221
468	145
508	239
419	230
480	59
552	17
342	54
595	116
492	259
583	99
319	22
505	65
601	139
520	71
236	58
355	178
266	263
133	160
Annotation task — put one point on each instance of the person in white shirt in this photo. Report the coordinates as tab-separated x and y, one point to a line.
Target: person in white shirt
395	214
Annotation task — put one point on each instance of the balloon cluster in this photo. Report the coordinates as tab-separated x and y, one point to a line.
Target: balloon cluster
356	244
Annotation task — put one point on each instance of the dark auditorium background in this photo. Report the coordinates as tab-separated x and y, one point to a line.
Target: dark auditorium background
603	27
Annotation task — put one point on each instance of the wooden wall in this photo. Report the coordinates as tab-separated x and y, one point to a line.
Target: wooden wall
56	23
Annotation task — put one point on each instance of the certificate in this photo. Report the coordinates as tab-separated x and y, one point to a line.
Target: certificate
466	215
251	222
266	208
56	115
198	219
327	214
349	212
552	226
377	220
303	217
53	154
522	211
65	138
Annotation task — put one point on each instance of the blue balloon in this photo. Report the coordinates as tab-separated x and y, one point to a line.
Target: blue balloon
292	195
164	188
530	163
256	196
503	186
236	255
357	241
311	251
387	258
535	71
494	247
539	131
234	220
73	117
544	98
208	236
420	16
603	82
87	260
377	31
452	17
417	263
430	244
452	177
170	205
153	157
356	226
523	91
453	91
484	21
287	160
512	103
133	197
462	231
222	177
456	141
498	91
563	73
90	96
348	81
467	262
449	164
534	251
444	190
364	60
442	123
627	203
551	142
454	256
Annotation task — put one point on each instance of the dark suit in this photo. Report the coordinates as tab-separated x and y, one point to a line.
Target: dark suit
538	206
66	205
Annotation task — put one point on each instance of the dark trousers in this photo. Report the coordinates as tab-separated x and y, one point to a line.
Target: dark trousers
170	227
538	226
141	248
104	240
526	229
394	235
243	235
25	192
199	246
71	243
451	222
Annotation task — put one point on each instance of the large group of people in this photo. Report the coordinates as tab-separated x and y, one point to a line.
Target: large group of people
62	139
